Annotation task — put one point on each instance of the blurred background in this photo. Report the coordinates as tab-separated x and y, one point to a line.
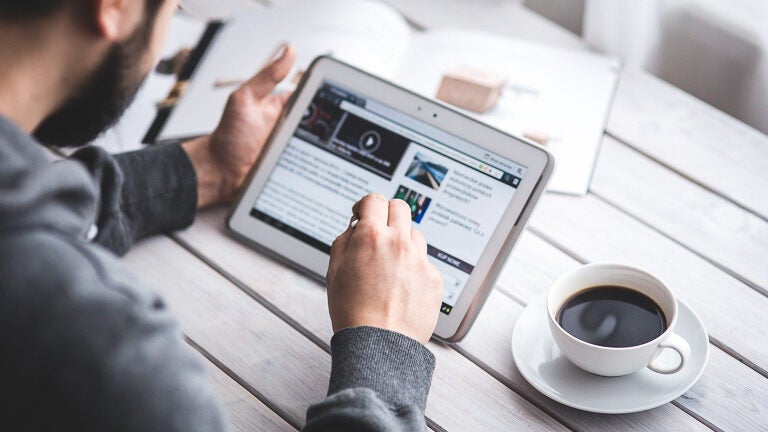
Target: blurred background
712	49
715	50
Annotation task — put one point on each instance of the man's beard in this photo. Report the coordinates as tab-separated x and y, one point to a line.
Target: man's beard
102	99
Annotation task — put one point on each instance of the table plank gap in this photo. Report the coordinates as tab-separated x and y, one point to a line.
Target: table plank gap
226	370
683	174
516	388
434	426
693	137
693	414
738	356
508	293
252	294
703	221
556	244
701	255
244	412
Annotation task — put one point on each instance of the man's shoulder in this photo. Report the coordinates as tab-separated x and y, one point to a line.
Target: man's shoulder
41	262
85	347
52	285
38	263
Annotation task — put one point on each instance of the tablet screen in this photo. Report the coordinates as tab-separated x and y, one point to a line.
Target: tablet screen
348	145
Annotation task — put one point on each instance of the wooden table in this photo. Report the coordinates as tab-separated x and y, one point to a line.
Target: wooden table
680	189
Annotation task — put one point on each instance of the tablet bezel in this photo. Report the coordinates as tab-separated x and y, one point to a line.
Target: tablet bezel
538	162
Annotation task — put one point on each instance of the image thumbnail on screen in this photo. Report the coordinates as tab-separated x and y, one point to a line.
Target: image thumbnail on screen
426	172
418	202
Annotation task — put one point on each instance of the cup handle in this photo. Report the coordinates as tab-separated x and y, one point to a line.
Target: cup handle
677	343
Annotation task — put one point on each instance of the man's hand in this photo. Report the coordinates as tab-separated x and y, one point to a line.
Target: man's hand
379	274
222	160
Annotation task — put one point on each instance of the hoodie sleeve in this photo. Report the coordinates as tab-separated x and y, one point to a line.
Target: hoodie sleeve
141	193
379	382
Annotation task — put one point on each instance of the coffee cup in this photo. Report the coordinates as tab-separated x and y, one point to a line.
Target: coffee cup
613	320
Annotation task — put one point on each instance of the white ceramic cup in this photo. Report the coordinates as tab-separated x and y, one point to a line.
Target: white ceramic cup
610	361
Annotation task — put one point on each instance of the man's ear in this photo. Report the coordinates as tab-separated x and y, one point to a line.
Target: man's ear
116	20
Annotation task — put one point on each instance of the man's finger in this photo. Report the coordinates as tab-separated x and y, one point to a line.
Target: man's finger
342	241
262	84
419	240
372	209
399	215
277	100
338	248
283	97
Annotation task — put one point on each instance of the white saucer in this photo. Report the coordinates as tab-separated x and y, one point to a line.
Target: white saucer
540	362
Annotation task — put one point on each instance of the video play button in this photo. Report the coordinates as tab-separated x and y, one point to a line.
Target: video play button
370	141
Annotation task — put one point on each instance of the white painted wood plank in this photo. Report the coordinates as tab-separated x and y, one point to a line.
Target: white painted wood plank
532	267
698	140
705	222
733	312
266	352
727	386
500	355
245	413
459	386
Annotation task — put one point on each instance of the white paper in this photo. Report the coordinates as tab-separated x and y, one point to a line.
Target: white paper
563	93
367	34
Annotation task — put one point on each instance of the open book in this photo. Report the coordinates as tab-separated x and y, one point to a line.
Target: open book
563	94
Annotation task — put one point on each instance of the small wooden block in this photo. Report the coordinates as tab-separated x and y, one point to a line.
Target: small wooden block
538	137
470	88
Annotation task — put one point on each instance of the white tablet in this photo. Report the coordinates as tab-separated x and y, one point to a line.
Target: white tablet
346	133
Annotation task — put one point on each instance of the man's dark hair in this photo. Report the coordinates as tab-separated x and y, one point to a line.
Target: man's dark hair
19	10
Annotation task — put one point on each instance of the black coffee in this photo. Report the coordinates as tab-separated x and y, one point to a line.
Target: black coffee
612	316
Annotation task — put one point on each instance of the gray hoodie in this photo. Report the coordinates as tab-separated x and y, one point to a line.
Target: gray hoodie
85	346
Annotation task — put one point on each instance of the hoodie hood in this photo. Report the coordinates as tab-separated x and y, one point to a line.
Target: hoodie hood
37	193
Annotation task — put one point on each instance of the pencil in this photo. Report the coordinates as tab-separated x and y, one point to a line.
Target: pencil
227	83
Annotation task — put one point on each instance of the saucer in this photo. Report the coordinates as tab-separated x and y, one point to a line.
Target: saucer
539	360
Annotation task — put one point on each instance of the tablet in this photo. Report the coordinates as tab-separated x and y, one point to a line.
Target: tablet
346	133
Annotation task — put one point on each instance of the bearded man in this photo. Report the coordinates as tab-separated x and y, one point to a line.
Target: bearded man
84	345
